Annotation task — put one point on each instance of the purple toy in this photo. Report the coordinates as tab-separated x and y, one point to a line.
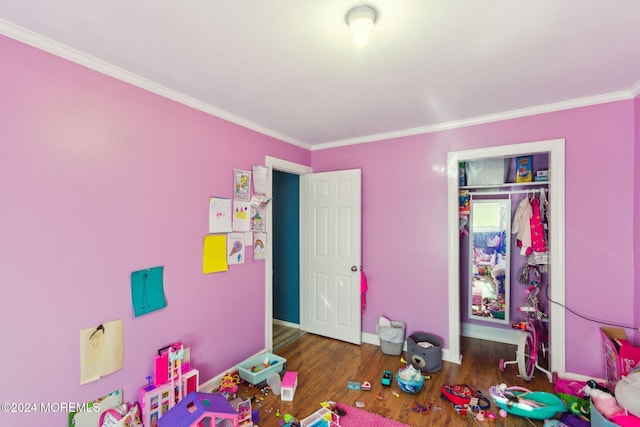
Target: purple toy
197	407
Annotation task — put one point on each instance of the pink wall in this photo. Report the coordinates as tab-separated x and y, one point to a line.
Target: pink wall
636	218
405	219
99	179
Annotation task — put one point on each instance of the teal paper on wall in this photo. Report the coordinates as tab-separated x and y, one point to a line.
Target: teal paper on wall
147	291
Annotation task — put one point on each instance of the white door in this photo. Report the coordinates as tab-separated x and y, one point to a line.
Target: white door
331	243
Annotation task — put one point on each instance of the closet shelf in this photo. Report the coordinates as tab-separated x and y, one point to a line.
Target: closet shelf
505	185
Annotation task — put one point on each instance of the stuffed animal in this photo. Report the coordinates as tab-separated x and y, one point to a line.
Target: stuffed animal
627	392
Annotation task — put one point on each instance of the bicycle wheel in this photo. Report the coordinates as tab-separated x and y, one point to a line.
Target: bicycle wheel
526	363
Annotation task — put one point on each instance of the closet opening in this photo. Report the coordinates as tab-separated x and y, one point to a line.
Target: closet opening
554	151
496	250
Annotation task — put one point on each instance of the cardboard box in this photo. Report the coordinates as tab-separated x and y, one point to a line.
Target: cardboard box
524	169
620	357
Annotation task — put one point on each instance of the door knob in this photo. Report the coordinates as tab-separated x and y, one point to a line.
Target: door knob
354	268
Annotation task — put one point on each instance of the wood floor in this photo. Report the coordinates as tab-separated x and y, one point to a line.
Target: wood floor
283	335
325	366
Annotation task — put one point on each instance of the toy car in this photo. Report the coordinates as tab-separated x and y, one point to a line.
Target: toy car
387	375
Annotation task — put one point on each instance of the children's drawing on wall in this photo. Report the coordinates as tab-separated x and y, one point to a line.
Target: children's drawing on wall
259	246
214	254
147	290
260	179
241	184
257	218
241	218
235	248
260	201
101	350
219	215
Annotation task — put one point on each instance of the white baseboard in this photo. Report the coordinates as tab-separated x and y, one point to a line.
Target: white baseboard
285	323
506	336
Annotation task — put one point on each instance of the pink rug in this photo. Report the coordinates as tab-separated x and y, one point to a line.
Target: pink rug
359	418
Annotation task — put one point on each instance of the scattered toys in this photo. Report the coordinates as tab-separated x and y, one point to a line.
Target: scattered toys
409	379
365	386
197	408
387	377
353	385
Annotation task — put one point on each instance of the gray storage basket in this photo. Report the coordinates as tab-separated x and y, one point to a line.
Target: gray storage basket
427	359
389	347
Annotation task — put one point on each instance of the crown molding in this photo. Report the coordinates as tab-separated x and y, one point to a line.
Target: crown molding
45	44
548	108
635	90
35	40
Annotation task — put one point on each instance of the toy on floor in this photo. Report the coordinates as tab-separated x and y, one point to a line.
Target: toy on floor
387	376
409	379
229	385
464	395
327	416
199	409
174	378
125	415
520	401
288	386
245	414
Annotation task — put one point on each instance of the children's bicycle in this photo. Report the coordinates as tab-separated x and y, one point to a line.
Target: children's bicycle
533	338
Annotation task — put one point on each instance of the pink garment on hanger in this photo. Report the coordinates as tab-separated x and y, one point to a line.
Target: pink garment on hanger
363	290
538	242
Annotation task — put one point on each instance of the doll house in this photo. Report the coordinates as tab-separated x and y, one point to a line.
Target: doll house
173	379
199	409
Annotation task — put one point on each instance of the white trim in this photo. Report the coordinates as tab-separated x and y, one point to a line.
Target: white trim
555	148
506	336
48	45
25	36
524	112
635	90
273	163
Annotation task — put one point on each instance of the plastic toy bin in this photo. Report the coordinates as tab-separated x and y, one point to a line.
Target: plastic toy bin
260	373
391	338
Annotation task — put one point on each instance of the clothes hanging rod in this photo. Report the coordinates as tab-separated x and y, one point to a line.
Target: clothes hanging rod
498	193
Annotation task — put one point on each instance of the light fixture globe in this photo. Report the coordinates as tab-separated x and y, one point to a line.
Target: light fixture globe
360	20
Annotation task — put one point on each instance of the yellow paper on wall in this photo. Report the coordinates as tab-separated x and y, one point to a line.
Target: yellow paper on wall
214	257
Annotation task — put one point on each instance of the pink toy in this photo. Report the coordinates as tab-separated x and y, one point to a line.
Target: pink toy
172	383
288	386
199	409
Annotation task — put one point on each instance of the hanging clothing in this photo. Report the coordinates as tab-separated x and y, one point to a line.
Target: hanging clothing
544	212
521	226
538	241
363	290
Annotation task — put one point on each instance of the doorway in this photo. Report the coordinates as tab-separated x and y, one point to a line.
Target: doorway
285	241
288	168
330	231
555	151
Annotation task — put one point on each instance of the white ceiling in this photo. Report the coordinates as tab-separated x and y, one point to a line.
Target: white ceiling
289	69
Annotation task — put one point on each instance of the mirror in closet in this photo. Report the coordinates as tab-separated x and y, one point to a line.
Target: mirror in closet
489	256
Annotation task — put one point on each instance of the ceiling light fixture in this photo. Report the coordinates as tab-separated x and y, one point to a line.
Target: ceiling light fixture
360	20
